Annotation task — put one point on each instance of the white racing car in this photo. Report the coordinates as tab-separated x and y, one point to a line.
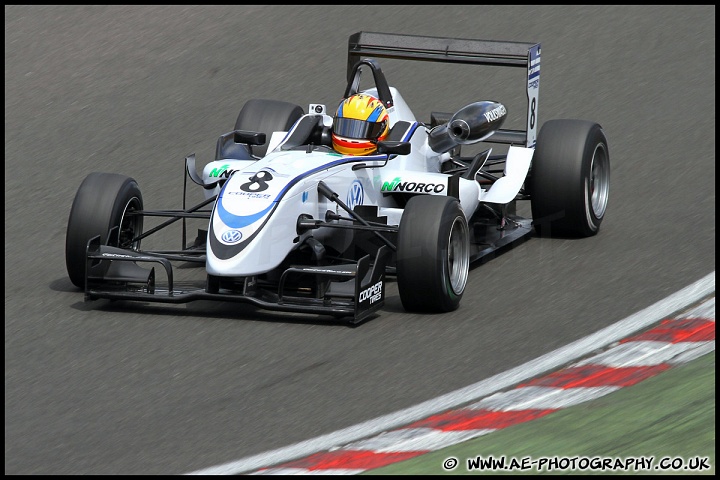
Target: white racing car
299	221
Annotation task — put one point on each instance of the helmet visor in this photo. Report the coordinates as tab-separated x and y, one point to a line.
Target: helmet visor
352	128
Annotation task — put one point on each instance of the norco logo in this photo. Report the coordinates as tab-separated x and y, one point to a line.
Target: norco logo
222	171
373	293
398	185
495	113
117	255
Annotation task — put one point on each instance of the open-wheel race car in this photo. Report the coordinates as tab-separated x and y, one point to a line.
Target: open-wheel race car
302	217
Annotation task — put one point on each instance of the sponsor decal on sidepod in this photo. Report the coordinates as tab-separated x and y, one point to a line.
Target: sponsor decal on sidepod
398	185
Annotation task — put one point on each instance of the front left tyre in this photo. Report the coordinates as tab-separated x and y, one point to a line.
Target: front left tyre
103	201
433	254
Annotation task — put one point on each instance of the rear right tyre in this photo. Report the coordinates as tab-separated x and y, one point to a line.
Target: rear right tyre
267	116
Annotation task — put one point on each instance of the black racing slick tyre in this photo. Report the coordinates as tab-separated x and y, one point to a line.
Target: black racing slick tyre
267	116
433	254
101	203
569	180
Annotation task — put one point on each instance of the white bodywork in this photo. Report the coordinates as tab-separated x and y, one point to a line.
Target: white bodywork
253	225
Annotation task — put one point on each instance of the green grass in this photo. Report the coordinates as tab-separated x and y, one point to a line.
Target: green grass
669	415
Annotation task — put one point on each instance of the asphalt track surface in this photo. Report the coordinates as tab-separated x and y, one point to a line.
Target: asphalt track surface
100	388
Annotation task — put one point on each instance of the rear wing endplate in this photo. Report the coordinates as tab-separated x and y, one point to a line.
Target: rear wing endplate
459	50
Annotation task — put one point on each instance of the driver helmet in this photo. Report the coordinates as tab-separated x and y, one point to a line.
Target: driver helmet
360	122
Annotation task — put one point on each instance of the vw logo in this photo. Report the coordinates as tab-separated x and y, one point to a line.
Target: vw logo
356	194
231	236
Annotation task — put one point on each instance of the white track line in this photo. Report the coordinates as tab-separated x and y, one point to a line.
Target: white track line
664	308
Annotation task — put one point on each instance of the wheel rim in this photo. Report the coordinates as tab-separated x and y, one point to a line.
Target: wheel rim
458	256
130	225
599	183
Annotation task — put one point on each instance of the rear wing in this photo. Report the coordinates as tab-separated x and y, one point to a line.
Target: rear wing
459	50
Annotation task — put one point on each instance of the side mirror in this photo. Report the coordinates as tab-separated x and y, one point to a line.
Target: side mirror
393	147
250	138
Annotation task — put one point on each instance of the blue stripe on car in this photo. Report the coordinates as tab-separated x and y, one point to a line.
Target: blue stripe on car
239	221
410	131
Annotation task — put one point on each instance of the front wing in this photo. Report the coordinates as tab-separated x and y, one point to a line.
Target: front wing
353	291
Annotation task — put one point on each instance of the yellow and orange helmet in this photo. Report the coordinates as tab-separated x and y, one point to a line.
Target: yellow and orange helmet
360	122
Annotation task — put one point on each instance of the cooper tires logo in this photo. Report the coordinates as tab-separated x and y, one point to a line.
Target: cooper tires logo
231	237
372	293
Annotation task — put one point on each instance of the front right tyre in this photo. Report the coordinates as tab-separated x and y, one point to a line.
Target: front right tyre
102	202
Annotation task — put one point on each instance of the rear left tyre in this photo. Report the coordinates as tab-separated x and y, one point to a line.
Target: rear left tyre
569	180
